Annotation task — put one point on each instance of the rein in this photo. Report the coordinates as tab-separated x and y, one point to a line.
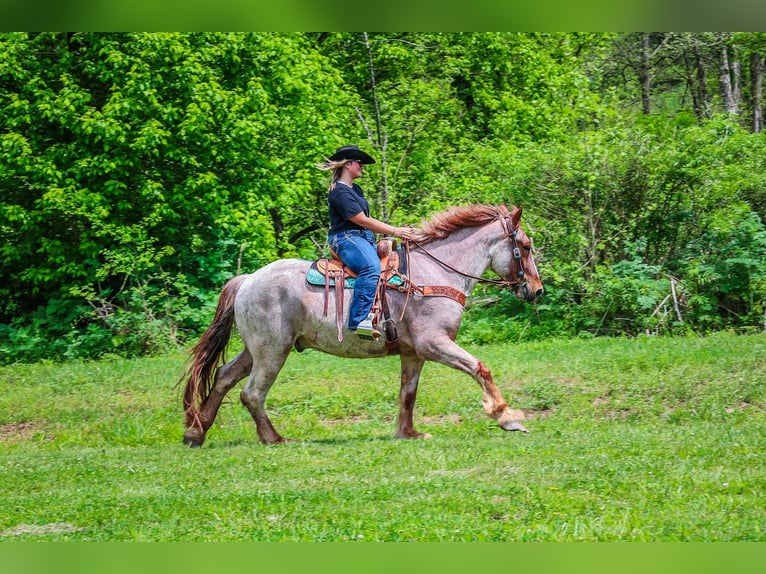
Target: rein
509	232
499	282
408	287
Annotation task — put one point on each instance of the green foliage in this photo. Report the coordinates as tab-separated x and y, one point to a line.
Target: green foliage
619	213
725	268
140	171
438	95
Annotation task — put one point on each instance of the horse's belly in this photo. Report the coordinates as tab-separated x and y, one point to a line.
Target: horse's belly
352	346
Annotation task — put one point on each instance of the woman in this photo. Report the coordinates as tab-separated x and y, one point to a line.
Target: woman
351	233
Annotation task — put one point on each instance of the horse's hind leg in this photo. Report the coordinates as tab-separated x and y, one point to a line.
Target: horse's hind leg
411	367
226	377
253	396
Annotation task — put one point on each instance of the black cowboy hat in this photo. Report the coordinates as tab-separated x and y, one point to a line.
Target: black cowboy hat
351	152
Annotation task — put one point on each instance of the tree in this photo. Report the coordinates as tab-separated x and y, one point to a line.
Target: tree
643	58
139	170
753	44
730	75
669	68
756	86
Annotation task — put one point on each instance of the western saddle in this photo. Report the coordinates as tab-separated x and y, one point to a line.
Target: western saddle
394	264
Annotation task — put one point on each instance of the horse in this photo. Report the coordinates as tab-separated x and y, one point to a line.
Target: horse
276	310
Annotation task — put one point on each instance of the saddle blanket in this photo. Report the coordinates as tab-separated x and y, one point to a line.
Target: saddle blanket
316	277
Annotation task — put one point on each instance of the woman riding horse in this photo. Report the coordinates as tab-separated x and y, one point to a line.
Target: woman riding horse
350	235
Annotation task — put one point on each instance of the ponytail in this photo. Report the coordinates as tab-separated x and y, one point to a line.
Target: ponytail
336	167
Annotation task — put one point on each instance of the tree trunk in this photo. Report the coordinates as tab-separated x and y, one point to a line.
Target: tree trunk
736	77
381	141
727	72
689	68
756	83
702	96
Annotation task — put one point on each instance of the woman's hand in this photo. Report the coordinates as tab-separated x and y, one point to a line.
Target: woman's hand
406	232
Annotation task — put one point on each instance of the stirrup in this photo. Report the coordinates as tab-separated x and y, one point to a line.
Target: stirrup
365	330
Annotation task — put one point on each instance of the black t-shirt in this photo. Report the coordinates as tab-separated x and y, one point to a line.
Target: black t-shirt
345	202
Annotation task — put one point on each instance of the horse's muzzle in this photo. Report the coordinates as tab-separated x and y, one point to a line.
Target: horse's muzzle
524	291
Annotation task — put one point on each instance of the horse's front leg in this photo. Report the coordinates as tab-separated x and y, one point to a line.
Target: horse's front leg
444	350
411	367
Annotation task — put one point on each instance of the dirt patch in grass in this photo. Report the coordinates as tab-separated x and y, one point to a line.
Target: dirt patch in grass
741	406
440	419
344	421
605	413
41	529
18	431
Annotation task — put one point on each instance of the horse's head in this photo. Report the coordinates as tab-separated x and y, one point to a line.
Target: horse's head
517	265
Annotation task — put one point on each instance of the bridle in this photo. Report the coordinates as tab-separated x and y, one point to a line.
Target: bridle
510	232
409	287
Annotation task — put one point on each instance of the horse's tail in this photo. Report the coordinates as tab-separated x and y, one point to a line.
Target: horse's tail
209	352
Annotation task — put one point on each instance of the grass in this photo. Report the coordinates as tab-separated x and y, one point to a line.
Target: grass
647	439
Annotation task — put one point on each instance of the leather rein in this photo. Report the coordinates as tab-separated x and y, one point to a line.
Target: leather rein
409	287
510	233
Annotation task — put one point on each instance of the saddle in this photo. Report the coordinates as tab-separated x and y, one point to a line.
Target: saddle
387	252
394	263
331	272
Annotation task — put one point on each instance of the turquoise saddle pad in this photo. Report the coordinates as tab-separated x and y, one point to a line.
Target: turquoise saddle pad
315	277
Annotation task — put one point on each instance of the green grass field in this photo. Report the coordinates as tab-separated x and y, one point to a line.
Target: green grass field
648	439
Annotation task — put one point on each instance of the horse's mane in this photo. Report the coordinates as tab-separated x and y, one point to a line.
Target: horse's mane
444	223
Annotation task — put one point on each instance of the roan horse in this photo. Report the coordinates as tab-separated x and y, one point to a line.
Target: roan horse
275	310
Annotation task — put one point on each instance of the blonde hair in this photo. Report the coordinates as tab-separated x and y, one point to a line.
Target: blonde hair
336	167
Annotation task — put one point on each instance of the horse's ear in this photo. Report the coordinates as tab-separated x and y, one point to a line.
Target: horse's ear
516	216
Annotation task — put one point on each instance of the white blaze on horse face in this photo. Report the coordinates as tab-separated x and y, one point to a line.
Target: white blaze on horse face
530	267
530	286
534	283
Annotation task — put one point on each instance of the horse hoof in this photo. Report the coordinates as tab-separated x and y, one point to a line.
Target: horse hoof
192	439
514	426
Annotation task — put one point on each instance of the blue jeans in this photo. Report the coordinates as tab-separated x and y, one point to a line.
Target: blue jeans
357	251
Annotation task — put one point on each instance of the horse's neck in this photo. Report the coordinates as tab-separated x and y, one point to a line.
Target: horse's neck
467	250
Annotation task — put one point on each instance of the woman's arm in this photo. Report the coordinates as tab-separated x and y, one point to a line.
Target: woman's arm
377	226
